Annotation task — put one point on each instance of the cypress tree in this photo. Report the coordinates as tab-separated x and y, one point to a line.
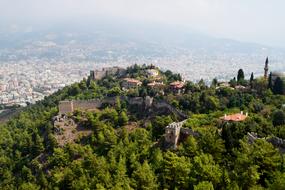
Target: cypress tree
278	87
214	82
270	81
251	80
240	75
251	77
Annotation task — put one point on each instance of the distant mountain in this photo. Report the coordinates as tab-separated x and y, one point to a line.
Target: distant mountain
142	39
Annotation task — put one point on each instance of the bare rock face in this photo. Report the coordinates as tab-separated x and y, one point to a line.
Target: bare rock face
67	131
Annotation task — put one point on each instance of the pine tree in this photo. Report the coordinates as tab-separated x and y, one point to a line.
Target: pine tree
278	118
144	178
123	118
118	106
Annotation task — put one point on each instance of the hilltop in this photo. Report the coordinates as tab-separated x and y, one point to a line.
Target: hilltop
143	128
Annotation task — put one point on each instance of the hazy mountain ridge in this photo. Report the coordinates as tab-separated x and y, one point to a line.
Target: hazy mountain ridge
137	40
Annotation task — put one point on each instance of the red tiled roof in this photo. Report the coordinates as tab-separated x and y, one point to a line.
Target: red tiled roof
130	80
234	117
177	84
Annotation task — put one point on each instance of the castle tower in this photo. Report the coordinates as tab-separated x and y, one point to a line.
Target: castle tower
266	68
172	132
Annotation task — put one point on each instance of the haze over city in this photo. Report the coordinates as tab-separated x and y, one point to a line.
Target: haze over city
142	94
201	39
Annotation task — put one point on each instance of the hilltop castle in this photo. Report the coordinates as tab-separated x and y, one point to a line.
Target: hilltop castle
107	71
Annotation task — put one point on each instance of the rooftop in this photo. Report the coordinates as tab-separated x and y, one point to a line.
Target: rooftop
177	84
155	84
131	80
235	117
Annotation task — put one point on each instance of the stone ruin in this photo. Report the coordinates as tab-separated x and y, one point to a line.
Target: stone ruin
107	71
172	132
69	106
175	133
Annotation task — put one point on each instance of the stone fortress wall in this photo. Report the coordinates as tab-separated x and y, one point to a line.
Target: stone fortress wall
173	133
65	107
86	104
106	71
69	106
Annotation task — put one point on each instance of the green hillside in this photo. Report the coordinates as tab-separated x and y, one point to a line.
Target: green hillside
123	145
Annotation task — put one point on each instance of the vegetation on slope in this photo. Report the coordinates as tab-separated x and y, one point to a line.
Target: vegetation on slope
113	157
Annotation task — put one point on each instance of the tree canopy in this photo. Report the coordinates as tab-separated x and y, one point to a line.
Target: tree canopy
120	145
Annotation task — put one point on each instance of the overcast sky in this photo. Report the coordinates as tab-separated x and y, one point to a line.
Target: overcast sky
260	21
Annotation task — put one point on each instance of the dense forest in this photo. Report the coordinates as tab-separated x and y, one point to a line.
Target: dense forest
124	151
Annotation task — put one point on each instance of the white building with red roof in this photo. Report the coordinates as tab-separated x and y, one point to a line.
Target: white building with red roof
130	83
177	86
235	117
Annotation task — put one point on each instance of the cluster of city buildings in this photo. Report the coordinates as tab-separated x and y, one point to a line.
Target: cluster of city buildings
23	82
30	81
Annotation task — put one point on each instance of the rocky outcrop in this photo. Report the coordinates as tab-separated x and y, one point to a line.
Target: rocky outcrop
275	141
